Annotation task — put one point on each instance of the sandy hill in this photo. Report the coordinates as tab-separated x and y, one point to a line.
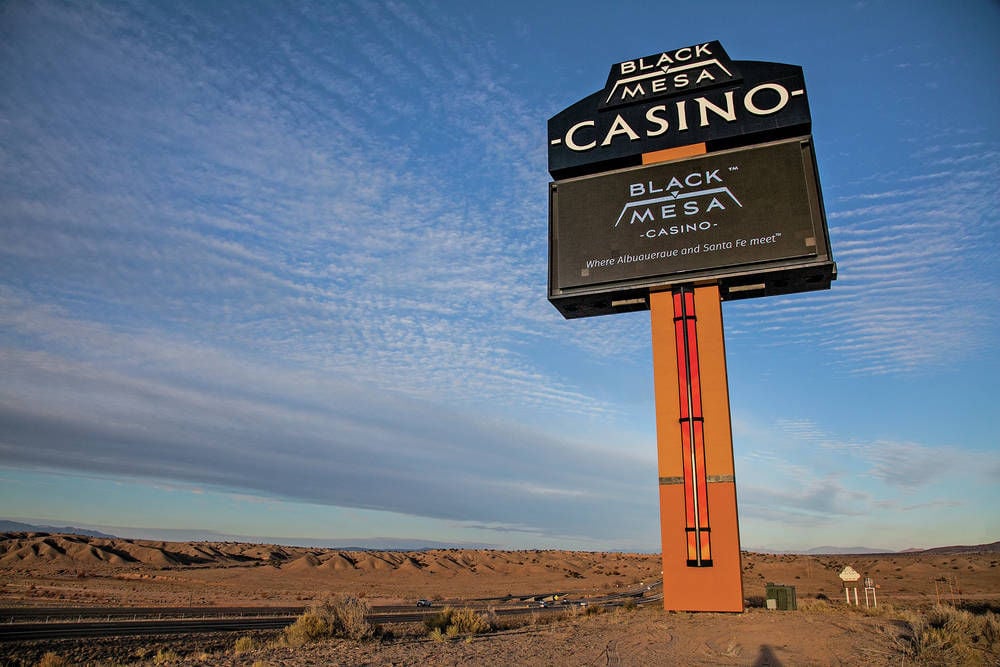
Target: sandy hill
26	551
48	568
992	547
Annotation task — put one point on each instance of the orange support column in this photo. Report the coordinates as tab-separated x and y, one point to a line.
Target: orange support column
698	520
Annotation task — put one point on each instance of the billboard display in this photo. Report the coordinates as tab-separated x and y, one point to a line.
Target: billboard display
749	218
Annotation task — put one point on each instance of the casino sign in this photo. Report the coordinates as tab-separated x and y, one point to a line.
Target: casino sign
745	211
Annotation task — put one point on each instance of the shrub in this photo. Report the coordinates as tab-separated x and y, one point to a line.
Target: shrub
309	627
51	659
469	622
245	644
348	617
451	623
815	604
165	655
945	636
440	620
493	619
991	629
344	617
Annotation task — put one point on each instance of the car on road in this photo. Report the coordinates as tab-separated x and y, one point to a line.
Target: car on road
423	603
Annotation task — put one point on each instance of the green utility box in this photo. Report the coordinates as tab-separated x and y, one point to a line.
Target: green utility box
780	597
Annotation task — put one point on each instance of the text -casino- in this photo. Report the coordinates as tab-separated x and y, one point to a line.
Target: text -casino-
690	95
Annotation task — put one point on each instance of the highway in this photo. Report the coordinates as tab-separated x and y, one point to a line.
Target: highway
50	614
33	623
75	630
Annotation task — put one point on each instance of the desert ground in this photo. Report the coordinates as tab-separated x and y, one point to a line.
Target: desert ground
38	569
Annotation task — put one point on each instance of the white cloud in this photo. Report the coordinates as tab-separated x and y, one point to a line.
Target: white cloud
301	253
142	405
796	472
913	270
267	267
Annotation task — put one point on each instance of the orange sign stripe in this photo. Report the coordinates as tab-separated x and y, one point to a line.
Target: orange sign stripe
678	153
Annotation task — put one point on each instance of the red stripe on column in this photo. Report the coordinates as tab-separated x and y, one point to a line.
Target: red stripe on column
692	430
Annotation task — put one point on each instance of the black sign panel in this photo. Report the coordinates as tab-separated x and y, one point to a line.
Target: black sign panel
742	103
751	218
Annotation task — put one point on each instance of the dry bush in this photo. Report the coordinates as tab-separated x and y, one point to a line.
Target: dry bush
344	617
450	622
307	628
945	635
51	659
499	623
887	610
440	620
512	621
553	617
348	617
469	622
164	656
245	644
816	604
991	629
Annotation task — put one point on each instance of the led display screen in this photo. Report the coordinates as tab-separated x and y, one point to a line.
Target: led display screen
721	215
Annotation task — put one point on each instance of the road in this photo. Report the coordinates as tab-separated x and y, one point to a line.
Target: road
21	624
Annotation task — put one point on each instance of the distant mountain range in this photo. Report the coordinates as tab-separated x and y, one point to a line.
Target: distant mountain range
181	535
978	548
862	551
823	551
409	544
18	527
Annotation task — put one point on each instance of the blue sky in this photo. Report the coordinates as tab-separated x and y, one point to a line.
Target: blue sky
279	270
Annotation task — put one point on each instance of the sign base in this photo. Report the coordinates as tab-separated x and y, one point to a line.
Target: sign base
702	570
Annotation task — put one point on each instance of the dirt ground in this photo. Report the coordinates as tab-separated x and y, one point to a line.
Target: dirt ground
60	570
642	637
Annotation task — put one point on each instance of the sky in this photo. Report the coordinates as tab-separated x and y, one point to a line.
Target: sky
279	271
